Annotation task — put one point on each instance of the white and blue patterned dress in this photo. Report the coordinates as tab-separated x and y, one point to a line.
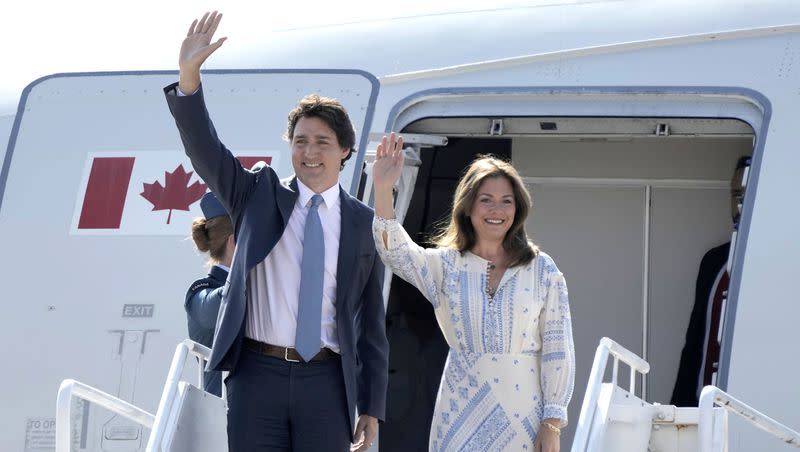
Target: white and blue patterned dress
511	361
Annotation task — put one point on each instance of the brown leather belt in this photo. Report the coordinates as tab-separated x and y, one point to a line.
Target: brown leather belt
285	353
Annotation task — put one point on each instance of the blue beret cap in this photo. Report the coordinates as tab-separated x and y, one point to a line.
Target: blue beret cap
211	206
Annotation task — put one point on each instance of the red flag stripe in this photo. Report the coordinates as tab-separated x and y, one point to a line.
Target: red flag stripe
248	162
105	193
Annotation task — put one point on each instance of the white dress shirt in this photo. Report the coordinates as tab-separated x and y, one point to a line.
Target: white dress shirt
274	286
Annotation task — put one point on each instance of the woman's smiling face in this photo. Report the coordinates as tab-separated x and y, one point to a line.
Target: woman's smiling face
492	212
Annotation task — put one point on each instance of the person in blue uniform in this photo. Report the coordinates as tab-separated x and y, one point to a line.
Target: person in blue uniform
212	234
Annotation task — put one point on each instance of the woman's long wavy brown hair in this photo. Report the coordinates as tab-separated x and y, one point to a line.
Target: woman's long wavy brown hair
459	233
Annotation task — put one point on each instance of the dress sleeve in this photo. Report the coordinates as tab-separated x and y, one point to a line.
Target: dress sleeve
417	265
558	350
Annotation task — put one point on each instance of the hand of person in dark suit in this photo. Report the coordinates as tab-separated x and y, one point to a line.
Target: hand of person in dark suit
196	48
366	430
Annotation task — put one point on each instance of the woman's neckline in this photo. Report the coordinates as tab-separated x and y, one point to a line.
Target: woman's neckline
488	261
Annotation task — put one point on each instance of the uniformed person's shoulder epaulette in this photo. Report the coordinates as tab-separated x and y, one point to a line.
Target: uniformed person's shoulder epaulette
199	285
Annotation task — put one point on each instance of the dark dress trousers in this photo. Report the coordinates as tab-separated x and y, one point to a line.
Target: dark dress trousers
260	205
202	308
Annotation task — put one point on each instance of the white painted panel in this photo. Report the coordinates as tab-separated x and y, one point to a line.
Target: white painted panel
764	358
684	225
67	294
708	159
595	236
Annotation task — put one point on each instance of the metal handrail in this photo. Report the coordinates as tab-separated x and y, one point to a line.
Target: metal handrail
72	388
157	423
712	395
171	388
607	347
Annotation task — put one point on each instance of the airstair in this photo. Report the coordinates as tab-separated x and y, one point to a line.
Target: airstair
188	419
612	419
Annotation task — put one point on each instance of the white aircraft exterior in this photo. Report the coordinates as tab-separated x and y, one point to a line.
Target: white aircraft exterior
626	119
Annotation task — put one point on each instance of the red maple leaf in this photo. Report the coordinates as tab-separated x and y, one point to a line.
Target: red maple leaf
175	194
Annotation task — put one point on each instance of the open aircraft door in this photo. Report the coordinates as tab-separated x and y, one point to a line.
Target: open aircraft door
96	202
404	188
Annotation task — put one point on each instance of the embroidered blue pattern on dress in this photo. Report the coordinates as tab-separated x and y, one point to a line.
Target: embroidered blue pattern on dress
547	357
453	405
464	415
465	324
492	332
529	318
493	434
498	318
553	411
529	429
509	294
463	393
449	275
456	370
493	431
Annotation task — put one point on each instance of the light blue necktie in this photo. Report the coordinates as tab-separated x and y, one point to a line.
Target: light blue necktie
312	270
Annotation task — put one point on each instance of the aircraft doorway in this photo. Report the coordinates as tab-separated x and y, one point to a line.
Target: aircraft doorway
626	213
417	350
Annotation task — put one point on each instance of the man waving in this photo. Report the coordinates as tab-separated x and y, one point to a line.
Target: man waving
302	324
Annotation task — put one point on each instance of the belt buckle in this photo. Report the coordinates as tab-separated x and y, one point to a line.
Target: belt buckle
286	356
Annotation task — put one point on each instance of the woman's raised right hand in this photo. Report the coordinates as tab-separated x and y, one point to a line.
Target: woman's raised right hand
388	164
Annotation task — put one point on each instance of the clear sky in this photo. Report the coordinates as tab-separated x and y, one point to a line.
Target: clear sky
42	37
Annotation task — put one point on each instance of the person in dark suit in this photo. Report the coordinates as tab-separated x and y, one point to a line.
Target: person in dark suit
699	362
213	234
301	326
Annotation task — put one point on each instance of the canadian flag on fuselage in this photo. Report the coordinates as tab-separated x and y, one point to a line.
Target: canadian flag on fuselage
142	193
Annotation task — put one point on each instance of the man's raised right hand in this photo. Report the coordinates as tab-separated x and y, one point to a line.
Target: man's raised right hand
195	49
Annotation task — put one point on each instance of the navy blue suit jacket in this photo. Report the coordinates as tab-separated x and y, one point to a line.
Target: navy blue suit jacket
260	205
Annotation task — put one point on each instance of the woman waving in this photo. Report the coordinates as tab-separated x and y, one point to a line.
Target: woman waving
501	304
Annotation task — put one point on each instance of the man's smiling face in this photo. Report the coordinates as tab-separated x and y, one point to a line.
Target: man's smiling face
316	154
